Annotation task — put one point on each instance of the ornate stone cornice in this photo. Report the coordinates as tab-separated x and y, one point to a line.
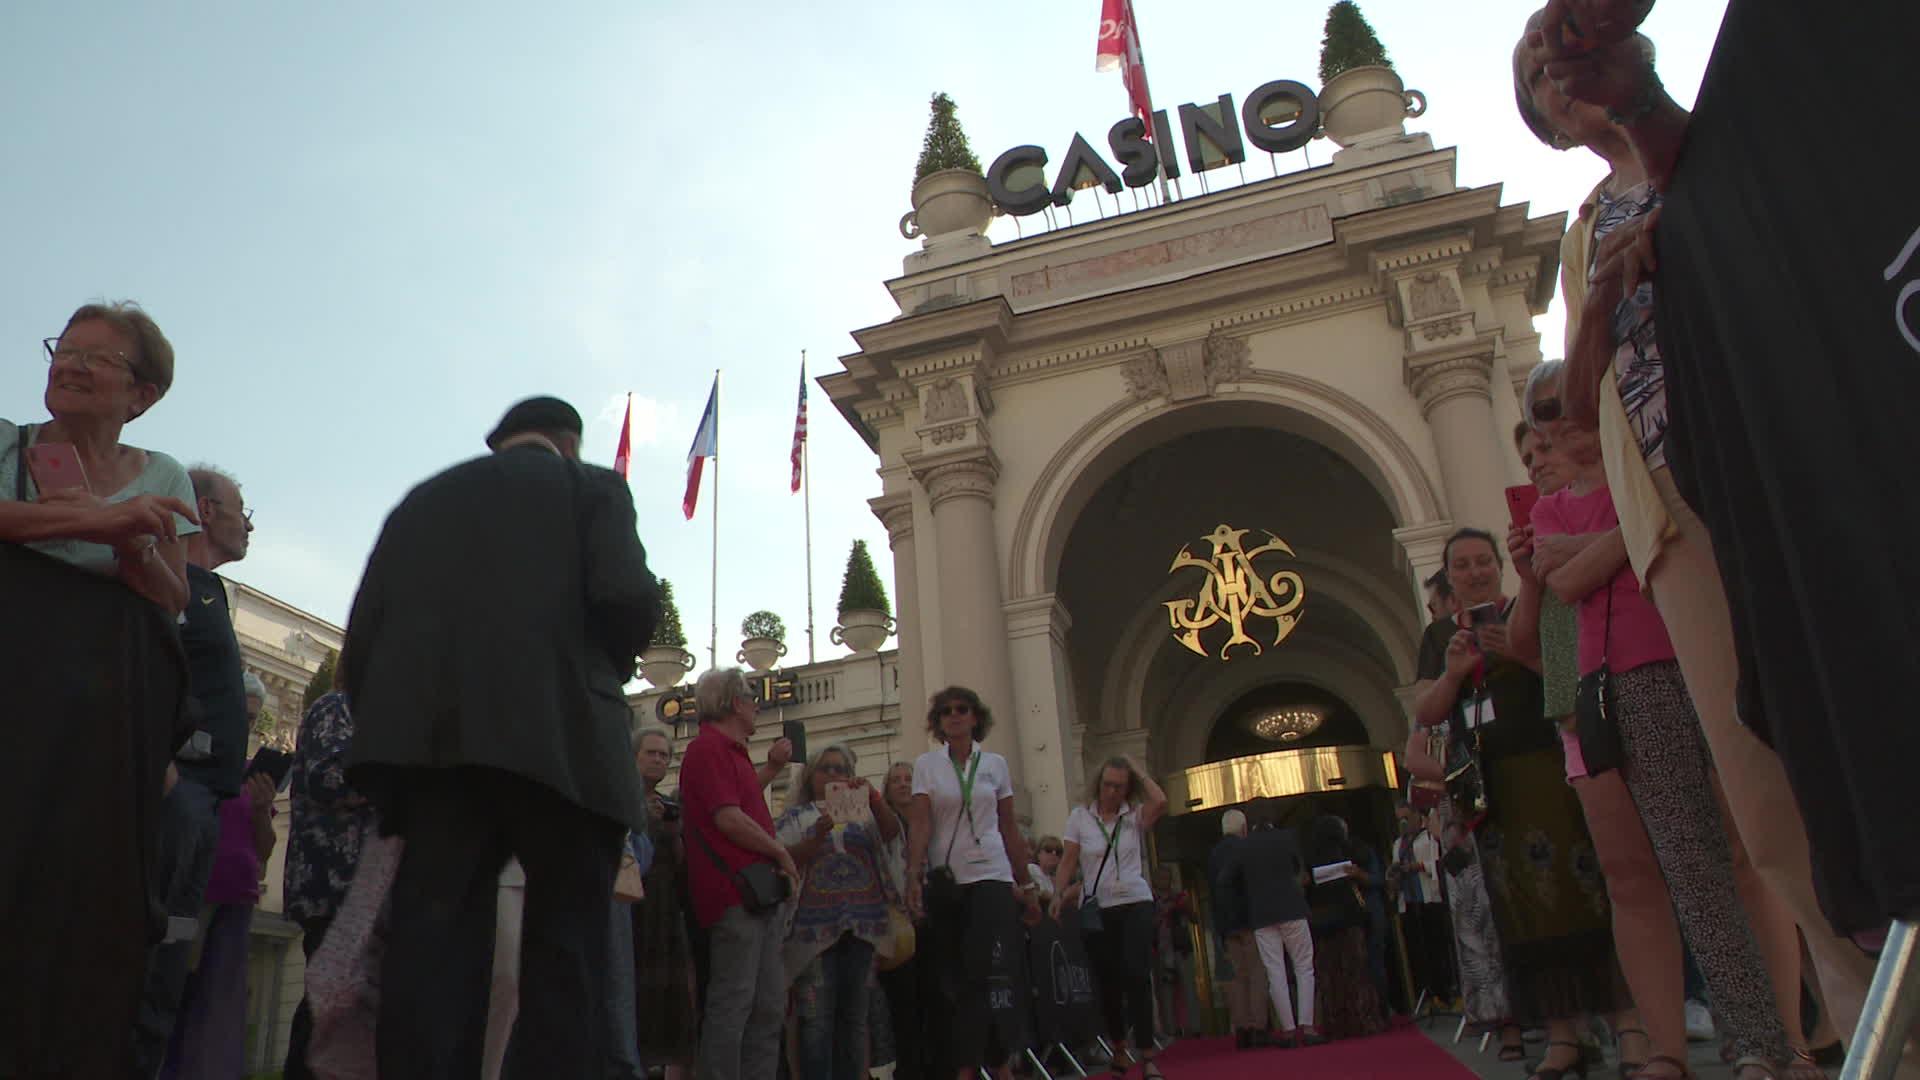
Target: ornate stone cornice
1438	380
896	513
969	477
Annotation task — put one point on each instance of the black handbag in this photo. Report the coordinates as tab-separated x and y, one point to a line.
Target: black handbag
761	886
1595	721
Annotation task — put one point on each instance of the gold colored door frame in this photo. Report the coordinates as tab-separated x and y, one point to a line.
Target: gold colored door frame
1280	774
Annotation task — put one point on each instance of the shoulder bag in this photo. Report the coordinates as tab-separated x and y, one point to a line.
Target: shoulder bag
943	889
1595	722
761	886
1090	920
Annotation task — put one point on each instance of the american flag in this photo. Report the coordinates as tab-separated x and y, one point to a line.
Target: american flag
800	424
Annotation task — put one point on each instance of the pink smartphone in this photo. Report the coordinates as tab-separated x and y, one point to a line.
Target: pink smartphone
56	467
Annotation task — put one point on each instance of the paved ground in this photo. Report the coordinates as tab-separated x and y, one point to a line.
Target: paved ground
1704	1057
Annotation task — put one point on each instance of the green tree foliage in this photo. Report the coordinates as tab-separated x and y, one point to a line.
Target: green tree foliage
668	631
861	589
1350	42
322	682
764	624
946	146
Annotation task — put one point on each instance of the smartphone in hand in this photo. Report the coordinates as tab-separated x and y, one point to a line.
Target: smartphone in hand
1520	500
56	467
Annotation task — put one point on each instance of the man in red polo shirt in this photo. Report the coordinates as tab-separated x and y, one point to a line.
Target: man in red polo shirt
725	810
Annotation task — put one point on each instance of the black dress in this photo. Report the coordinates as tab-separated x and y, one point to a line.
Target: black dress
1789	315
95	710
1543	879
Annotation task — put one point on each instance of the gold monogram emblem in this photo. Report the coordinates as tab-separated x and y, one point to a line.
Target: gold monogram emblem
1235	593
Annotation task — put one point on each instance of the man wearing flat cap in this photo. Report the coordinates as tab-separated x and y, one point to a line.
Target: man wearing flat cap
500	616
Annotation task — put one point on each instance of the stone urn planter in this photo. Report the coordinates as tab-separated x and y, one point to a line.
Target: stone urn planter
665	665
863	630
761	653
946	202
1366	103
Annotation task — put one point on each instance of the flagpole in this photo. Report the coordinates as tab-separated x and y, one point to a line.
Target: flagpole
713	581
806	503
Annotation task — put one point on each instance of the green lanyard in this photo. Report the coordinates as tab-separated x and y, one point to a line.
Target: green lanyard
966	802
1113	837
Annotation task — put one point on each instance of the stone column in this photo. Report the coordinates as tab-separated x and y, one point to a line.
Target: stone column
1043	701
1455	394
974	630
896	513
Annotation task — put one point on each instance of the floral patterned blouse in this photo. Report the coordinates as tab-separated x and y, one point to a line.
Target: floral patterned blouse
843	889
330	819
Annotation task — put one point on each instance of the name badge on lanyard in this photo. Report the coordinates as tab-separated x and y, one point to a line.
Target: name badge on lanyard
1480	710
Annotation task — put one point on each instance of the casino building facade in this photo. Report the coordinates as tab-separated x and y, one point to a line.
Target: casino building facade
1165	483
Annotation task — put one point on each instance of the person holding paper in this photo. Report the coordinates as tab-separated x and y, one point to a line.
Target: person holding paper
1268	876
840	923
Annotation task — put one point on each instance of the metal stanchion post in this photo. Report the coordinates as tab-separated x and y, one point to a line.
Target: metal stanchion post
1892	1006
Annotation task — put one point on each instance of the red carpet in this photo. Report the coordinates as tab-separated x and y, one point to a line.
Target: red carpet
1401	1054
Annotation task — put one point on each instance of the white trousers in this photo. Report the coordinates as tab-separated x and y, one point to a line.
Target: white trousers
503	999
1279	943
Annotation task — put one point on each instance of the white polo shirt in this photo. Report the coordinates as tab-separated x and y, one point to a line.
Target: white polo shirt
979	851
1124	880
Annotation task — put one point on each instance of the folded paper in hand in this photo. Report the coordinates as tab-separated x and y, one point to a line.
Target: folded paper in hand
1331	872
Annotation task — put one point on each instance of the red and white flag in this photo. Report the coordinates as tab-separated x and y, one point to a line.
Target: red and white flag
1119	47
623	454
706	444
800	425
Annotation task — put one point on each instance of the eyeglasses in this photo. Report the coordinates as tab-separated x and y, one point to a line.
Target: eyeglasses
89	360
957	708
246	512
831	768
1546	410
1051	851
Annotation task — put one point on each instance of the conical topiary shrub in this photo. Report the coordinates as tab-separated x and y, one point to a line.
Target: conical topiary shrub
946	144
1349	43
860	589
668	631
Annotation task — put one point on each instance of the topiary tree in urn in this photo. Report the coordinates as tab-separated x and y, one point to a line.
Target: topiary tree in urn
949	189
666	660
1362	100
766	640
866	619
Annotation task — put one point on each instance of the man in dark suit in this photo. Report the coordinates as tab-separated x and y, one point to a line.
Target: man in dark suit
1272	877
502	611
1246	996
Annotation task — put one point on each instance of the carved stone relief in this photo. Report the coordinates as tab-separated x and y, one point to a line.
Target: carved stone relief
1229	359
1144	376
1430	294
946	400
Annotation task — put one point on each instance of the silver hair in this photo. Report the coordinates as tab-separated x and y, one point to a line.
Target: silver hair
205	479
255	686
846	754
1233	823
1542	375
645	731
714	694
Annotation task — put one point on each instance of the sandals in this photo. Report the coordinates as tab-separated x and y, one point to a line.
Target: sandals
1544	1071
1630	1069
1684	1073
1515	1050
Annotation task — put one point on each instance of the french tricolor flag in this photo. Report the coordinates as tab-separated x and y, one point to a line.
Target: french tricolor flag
706	444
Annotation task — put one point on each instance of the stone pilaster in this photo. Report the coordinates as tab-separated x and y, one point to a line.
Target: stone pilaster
896	513
1455	391
1043	703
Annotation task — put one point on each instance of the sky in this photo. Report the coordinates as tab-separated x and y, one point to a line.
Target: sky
369	228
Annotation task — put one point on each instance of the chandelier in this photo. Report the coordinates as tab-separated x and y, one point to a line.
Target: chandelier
1287	723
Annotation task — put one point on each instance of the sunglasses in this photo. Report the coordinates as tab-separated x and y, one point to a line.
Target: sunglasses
1546	410
1051	851
831	768
958	708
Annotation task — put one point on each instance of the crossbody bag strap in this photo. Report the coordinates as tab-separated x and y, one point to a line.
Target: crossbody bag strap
725	870
1113	841
20	463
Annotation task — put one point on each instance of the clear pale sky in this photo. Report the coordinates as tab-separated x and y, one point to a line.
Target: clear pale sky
368	228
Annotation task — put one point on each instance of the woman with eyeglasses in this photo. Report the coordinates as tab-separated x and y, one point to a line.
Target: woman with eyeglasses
93	567
1108	832
967	875
840	920
1051	850
899	1025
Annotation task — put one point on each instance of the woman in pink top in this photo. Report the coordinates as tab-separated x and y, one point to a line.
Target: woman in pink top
1666	771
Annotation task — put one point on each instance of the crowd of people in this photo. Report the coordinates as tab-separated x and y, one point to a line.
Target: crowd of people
1641	784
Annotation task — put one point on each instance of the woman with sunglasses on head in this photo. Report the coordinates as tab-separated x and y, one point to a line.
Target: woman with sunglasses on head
967	875
840	920
1108	832
1616	379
